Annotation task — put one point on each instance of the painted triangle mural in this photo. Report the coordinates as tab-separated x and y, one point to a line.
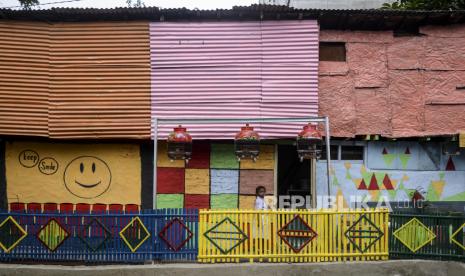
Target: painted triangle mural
387	183
404	158
450	164
363	185
389	159
393	176
373	183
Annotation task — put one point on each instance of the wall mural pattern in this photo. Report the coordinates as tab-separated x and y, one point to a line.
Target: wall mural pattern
213	178
396	170
73	173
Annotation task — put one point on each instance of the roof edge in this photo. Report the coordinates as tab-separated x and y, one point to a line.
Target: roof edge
369	19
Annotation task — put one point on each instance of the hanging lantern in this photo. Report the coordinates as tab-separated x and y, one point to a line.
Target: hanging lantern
309	143
247	143
179	144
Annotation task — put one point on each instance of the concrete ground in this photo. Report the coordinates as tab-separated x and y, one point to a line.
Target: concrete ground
391	268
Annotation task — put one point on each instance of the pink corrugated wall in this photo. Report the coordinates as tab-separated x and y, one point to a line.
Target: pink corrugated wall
234	70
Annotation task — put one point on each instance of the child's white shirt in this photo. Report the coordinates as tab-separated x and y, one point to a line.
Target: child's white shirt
260	203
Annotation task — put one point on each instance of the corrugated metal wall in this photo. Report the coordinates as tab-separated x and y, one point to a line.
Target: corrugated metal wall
100	80
75	80
92	80
234	70
289	74
24	78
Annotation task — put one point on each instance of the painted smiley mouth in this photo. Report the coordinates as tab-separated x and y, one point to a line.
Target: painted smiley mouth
87	185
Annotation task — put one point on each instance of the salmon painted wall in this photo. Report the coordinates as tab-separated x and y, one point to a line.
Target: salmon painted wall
395	86
213	178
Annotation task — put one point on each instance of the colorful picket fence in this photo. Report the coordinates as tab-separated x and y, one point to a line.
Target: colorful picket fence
427	235
293	235
99	237
180	235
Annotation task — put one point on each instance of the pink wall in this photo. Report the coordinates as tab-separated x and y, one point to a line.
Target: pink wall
395	86
234	70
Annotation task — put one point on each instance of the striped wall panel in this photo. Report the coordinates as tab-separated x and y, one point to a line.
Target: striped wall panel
24	74
234	70
100	80
290	75
105	80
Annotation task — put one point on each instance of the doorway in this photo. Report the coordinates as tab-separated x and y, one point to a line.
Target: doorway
294	177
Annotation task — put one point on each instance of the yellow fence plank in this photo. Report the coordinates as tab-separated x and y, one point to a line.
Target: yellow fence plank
293	235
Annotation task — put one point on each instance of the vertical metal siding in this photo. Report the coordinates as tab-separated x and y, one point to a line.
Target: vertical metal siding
24	74
234	70
100	80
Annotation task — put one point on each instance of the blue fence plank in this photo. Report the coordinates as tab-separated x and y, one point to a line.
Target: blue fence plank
86	241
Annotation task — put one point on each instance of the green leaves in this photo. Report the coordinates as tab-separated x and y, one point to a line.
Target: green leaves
27	4
425	5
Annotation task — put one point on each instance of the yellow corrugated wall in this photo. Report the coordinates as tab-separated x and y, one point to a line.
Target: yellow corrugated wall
75	80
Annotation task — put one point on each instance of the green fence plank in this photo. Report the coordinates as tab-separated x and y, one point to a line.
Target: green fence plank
406	235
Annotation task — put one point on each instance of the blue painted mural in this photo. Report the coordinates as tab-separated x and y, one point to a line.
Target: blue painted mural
224	181
396	170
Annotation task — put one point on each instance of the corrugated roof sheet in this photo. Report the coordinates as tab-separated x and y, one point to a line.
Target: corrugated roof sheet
375	19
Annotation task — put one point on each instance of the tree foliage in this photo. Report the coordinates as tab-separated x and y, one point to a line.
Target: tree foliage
27	4
426	5
135	3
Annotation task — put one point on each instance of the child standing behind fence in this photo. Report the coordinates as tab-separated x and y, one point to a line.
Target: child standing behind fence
260	203
259	237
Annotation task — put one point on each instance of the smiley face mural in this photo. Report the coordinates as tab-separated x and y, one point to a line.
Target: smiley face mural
87	177
73	173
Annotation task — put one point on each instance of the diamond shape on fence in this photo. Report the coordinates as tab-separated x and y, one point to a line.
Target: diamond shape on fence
175	234
225	235
452	238
134	234
11	234
297	234
414	234
52	235
363	234
95	234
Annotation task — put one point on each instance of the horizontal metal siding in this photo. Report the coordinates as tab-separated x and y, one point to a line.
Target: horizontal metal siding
289	74
24	74
206	63
234	70
100	80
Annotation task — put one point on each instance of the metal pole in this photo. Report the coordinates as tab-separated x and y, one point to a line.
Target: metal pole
313	181
157	121
242	120
328	154
155	151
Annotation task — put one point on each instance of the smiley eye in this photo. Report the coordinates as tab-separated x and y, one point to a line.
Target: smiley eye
93	167
81	167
